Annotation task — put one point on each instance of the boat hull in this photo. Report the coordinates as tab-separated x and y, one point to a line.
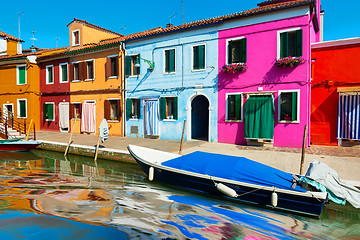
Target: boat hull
18	146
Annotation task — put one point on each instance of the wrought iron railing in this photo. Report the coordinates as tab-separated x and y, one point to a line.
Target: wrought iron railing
7	120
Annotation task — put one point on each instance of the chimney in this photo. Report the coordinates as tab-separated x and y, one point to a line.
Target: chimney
169	25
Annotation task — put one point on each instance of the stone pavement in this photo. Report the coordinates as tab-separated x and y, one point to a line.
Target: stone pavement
345	160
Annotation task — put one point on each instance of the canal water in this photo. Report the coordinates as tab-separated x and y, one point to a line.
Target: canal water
45	196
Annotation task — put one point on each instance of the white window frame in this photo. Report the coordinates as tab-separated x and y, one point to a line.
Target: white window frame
278	39
47	75
192	58
60	72
112	56
73	38
9	104
227	47
297	105
17	74
164	62
76	80
18	108
50	120
242	107
86	61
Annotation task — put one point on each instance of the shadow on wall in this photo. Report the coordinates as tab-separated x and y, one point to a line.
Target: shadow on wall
276	75
146	76
226	78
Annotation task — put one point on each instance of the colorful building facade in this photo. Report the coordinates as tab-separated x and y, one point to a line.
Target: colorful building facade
268	98
335	102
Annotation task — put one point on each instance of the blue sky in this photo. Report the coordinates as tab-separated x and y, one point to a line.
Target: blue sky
49	18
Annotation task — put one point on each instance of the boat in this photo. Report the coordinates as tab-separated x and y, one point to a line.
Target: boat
233	178
12	145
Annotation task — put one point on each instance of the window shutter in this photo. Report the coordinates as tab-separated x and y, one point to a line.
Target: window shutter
71	111
238	107
138	101
107	109
162	108
80	111
167	61
22	109
128	60
196	57
176	108
45	110
284	45
294	106
116	66
243	46
51	111
229	107
201	57
71	72
128	108
118	106
81	71
229	52
298	42
64	73
108	67
22	75
172	60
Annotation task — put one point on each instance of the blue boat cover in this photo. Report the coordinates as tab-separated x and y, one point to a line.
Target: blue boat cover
235	168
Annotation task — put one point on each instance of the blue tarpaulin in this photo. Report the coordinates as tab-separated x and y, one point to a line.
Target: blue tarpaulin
233	168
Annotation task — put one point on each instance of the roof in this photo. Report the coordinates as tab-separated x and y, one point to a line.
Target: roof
336	43
3	34
23	55
93	26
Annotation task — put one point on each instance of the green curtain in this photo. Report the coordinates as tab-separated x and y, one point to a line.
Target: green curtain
259	117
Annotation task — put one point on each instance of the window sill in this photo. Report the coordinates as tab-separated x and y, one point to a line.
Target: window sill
169	120
76	81
169	73
112	77
113	121
64	82
198	70
76	119
49	120
49	83
233	121
21	117
89	80
133	76
288	121
22	84
133	119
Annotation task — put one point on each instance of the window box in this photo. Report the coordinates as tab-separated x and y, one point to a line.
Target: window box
234	68
289	61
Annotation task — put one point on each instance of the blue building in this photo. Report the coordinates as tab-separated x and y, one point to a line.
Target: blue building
171	76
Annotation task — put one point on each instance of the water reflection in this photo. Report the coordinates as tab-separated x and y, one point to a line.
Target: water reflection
43	190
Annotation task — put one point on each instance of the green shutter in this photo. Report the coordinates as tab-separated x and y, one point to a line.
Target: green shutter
175	108
64	73
51	111
22	75
172	60
162	108
229	107
238	107
298	43
196	58
45	111
294	106
201	57
138	101
284	45
230	52
166	61
128	60
243	51
128	108
22	108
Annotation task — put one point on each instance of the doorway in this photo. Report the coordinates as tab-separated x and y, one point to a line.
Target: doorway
200	118
152	118
8	110
64	116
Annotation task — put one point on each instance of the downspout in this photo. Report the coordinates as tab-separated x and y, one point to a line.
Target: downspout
309	83
122	50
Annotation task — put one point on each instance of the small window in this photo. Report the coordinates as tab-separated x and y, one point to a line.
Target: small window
21	108
168	108
198	57
133	108
75	38
169	61
236	51
291	43
90	69
49	111
21	75
112	66
132	65
234	107
76	71
112	110
289	105
63	71
75	111
49	74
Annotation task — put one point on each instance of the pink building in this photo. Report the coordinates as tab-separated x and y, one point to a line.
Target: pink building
269	100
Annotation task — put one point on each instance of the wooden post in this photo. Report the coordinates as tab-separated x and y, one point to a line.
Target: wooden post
27	135
97	148
72	130
34	132
303	150
182	137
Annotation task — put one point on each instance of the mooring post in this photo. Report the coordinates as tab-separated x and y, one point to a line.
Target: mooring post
182	137
72	130
303	151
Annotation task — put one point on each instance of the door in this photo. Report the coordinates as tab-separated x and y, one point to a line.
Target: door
88	116
152	118
64	117
259	117
8	111
200	118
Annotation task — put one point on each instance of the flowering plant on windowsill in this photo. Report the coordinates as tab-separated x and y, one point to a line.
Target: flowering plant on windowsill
234	67
289	61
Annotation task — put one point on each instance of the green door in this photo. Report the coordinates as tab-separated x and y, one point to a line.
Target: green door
259	117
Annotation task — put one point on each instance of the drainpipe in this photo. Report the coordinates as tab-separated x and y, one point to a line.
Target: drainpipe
122	89
309	83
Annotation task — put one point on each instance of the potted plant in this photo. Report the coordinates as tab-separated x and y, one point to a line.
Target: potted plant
289	61
234	67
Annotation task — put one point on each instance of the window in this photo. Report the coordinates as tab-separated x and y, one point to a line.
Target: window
22	108
75	37
289	105
112	110
112	66
49	74
234	107
21	75
168	108
132	65
236	50
75	73
49	111
133	108
198	57
89	69
75	111
63	72
290	43
169	61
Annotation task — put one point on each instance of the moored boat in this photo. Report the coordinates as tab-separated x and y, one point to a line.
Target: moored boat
13	145
234	178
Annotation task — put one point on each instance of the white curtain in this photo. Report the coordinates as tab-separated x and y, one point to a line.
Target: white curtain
88	117
349	117
64	115
152	117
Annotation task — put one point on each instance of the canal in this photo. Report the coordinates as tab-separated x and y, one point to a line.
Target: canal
45	196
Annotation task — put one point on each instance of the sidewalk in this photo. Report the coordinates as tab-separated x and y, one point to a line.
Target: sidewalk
345	160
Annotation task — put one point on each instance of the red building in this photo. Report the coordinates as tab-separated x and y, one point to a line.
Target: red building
335	111
54	93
